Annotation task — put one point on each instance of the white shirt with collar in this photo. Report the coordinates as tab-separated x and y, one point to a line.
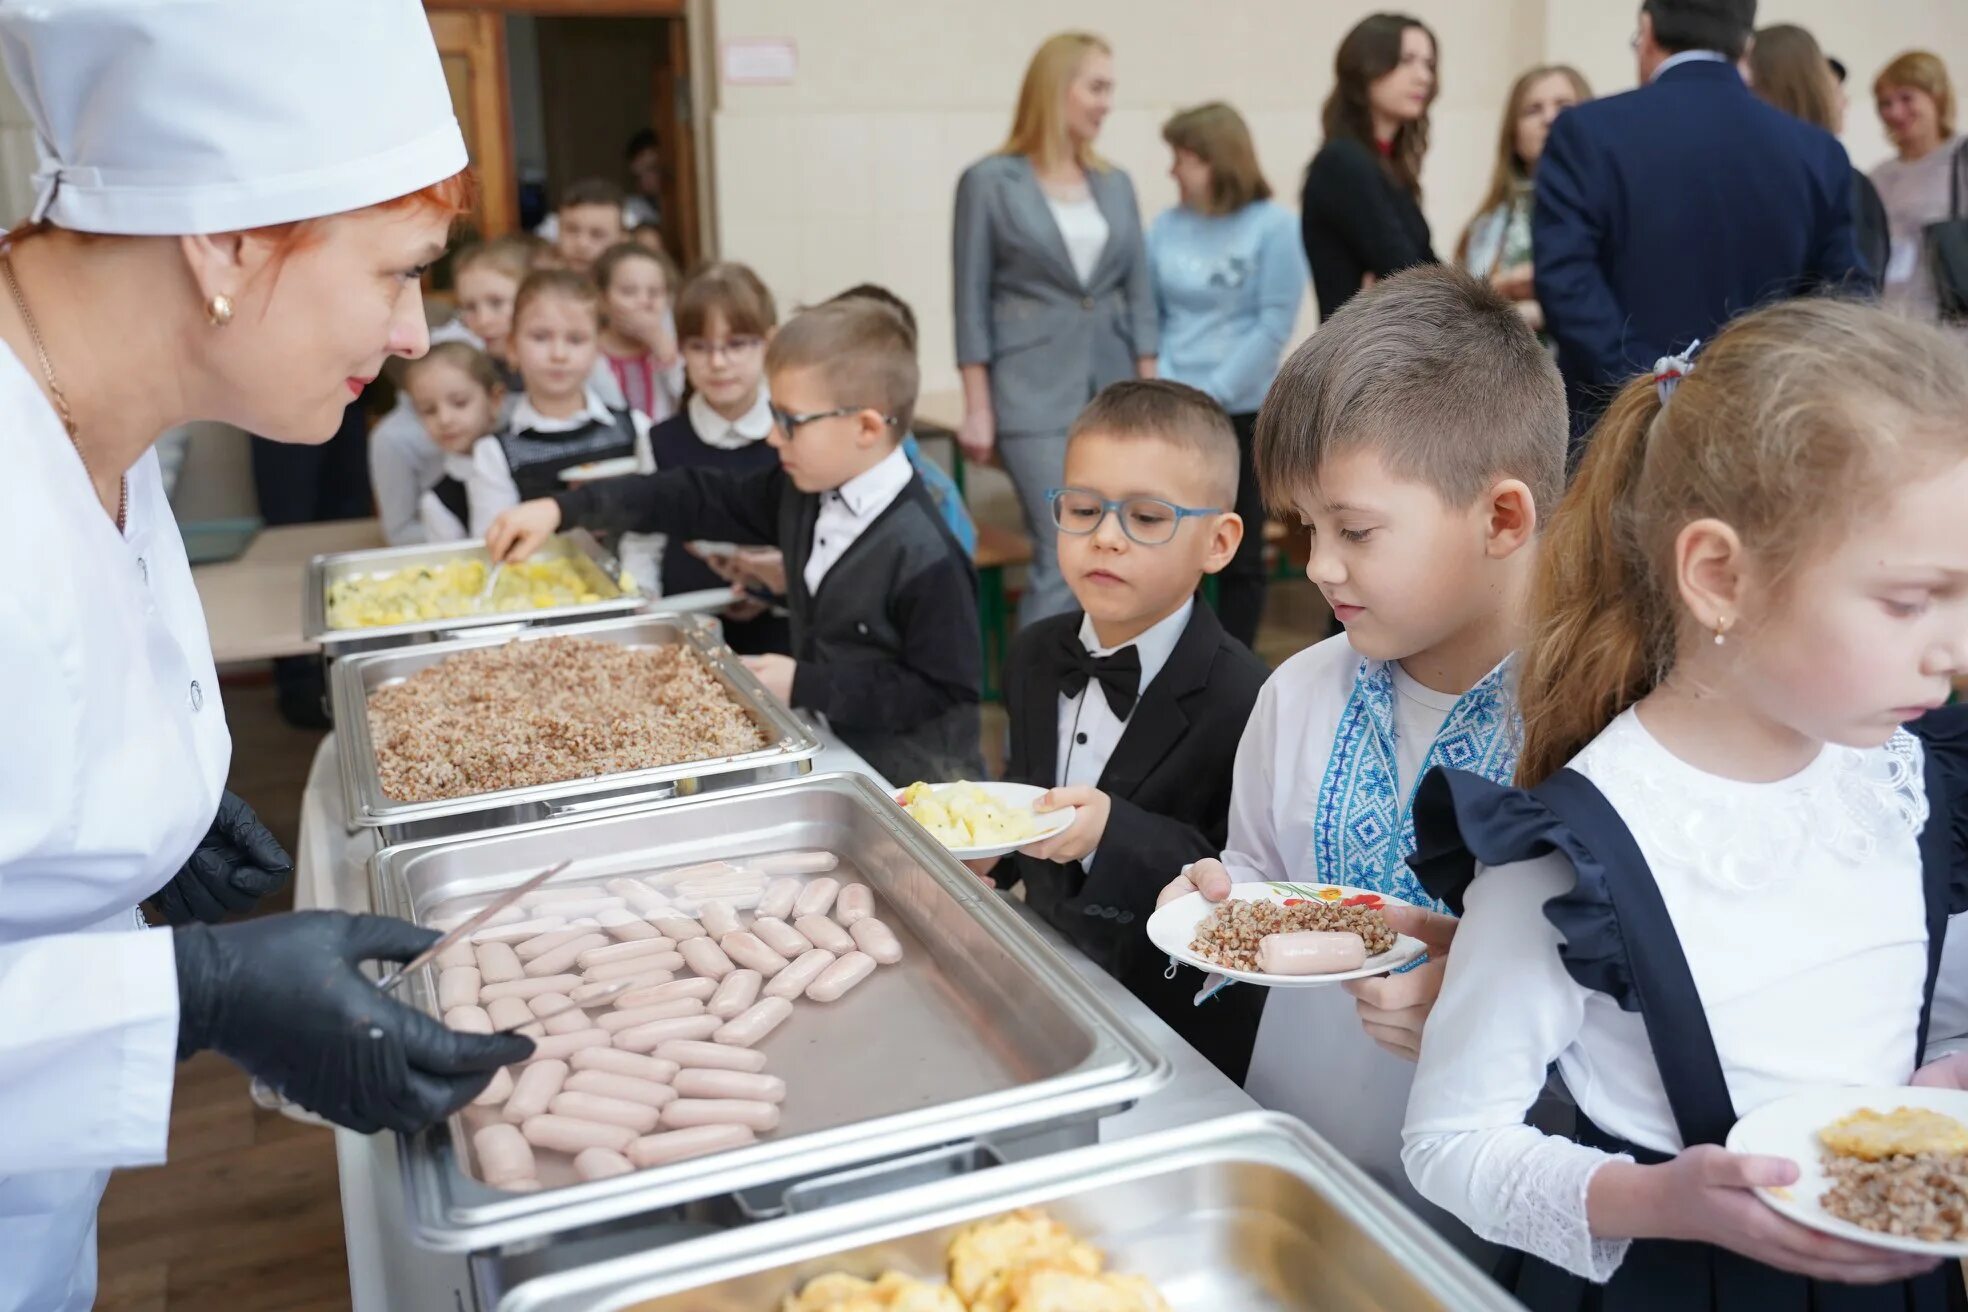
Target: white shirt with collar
848	510
641	553
714	430
1689	57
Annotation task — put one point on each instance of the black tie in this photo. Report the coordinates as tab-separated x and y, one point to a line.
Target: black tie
1119	674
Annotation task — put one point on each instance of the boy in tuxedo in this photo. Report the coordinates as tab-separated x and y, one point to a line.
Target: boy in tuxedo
1130	708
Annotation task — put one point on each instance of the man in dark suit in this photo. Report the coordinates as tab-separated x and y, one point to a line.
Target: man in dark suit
1663	212
1132	709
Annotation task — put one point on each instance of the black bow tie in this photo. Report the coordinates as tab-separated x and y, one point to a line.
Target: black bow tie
1119	674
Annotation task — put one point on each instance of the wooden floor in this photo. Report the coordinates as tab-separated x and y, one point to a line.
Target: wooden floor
245	1216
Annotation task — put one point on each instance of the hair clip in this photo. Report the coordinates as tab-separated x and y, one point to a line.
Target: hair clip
1669	370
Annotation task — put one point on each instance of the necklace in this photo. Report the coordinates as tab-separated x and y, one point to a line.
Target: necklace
55	390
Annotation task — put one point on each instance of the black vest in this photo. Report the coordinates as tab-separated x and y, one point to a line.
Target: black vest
675	445
537	459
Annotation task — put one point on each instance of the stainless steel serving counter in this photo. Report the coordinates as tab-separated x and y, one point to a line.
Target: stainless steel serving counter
387	1272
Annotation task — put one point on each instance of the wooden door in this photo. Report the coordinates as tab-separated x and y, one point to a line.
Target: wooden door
471	43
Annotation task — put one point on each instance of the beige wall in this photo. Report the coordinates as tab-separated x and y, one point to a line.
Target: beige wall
848	173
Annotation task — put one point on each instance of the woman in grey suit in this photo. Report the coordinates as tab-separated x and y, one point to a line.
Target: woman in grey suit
1052	294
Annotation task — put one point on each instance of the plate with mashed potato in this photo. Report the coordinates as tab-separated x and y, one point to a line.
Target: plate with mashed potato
1883	1166
977	821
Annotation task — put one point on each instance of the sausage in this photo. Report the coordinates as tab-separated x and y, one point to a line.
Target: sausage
609	992
719	919
457	987
702	870
704	1082
503	1154
566	1045
616	1062
558	1014
561	959
529	988
646	994
824	933
533	947
679	1145
680	928
625	926
534	1089
645	1037
735	992
658	963
592	905
602	956
816	898
751	1025
513	1014
739	894
638	895
497	963
469	1020
516	930
568	1135
751	952
791	982
781	937
600	1164
556	893
694	1055
856	902
778	898
687	1113
460	953
627	1019
877	940
706	957
843	975
793	863
529	1185
627	1088
451	921
1310	952
640	1117
495	1093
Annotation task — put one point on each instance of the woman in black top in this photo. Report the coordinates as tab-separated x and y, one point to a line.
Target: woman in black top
1361	211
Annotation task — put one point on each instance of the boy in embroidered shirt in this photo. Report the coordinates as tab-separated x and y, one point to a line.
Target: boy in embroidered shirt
883	600
1417	433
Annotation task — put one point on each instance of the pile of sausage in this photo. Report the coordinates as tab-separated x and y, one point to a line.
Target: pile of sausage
647	999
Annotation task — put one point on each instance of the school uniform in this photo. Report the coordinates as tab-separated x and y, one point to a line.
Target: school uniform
535	450
1153	724
701	438
473	488
883	600
1682	946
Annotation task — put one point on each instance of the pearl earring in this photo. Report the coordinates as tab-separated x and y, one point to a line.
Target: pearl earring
1721	628
218	310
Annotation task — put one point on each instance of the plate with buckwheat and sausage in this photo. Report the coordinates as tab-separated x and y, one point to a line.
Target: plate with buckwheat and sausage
1286	935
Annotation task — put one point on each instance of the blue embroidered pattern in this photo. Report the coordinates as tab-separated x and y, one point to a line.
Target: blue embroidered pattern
1364	829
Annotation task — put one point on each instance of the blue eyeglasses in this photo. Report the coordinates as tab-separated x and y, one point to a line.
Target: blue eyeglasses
1149	521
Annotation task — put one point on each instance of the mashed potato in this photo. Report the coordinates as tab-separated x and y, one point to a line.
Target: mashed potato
450	591
964	815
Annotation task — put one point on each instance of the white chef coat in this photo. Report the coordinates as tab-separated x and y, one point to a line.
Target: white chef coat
115	754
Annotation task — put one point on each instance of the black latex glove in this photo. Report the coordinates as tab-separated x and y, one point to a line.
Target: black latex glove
281	996
237	863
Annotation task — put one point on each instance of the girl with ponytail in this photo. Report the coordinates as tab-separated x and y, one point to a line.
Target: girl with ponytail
1716	884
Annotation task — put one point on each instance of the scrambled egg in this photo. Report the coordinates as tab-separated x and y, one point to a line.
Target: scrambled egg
1903	1132
894	1292
450	591
986	1258
1060	1289
964	815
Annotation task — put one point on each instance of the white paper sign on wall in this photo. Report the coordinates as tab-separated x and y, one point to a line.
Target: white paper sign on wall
760	61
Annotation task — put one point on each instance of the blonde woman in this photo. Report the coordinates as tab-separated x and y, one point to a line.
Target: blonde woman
1052	293
1916	104
1497	243
1230	277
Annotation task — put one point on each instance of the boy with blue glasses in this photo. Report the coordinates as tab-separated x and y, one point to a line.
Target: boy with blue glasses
1130	708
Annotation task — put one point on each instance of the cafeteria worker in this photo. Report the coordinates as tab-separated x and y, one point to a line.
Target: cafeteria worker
234	202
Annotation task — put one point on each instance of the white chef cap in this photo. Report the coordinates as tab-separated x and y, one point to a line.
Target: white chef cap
173	117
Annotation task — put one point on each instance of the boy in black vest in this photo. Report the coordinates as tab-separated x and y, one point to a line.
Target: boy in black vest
883	599
1131	707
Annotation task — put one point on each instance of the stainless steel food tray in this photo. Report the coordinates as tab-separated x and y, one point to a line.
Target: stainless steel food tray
576	544
789	750
1246	1213
981	1029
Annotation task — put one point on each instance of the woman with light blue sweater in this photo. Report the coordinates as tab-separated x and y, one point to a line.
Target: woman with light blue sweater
1230	276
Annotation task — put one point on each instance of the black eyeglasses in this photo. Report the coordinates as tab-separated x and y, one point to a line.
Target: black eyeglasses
1149	521
790	423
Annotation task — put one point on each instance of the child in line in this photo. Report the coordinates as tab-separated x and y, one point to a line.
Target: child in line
1752	593
457	393
1417	433
638	339
883	600
486	279
1130	708
587	223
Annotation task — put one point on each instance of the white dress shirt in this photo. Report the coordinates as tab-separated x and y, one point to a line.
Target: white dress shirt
846	512
1799	906
1689	57
1088	727
714	430
641	554
489	492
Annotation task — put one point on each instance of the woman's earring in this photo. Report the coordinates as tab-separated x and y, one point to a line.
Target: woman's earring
218	310
1721	630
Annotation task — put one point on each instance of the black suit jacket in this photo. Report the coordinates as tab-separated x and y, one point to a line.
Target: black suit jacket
1169	784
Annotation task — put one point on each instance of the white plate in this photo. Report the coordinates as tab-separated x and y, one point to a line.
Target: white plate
1173	927
595	469
694	603
1014	797
1789	1128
